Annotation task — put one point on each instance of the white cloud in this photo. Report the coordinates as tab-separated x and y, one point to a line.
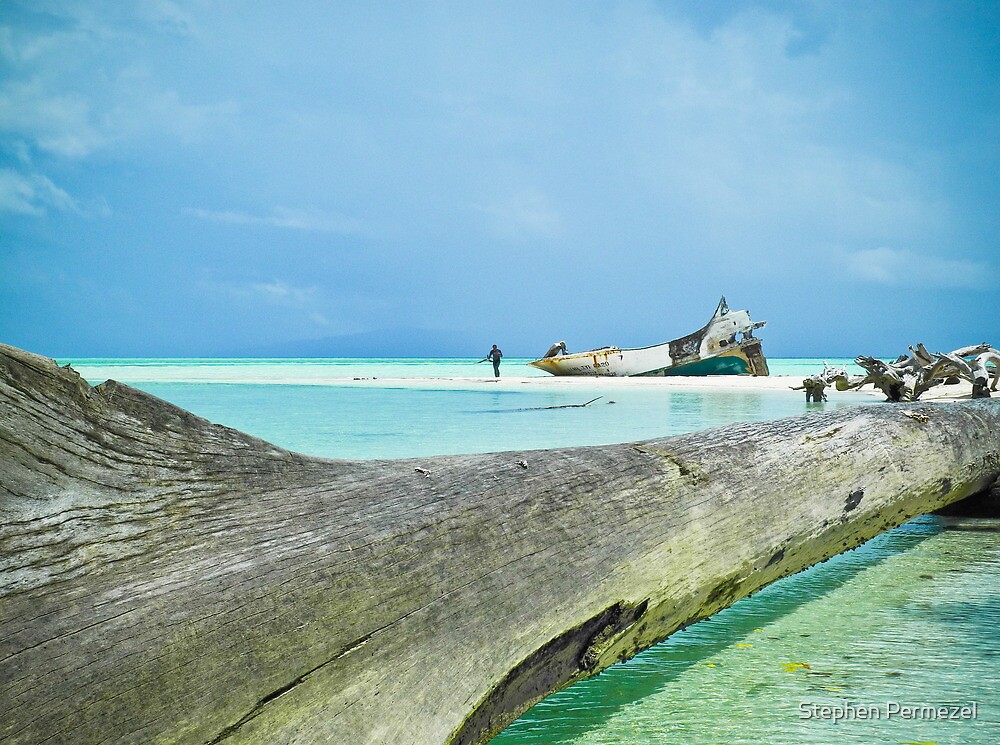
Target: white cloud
284	217
280	293
142	107
304	309
900	267
56	123
22	50
299	310
70	125
32	194
123	22
45	101
305	302
168	17
525	213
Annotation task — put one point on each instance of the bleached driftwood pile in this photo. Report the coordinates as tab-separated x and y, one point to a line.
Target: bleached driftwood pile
913	374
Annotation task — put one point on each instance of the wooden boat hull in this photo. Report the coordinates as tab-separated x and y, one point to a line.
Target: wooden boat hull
712	350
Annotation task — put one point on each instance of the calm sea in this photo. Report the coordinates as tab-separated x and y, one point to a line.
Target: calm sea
834	654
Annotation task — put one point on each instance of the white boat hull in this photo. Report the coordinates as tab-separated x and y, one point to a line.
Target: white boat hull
712	349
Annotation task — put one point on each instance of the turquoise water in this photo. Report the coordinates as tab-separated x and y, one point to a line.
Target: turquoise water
365	422
908	619
320	371
319	407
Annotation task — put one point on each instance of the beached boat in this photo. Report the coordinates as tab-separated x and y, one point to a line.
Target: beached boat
711	350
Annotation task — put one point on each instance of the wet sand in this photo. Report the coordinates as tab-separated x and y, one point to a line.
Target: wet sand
710	382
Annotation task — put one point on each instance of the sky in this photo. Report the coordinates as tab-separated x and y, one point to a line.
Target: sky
196	178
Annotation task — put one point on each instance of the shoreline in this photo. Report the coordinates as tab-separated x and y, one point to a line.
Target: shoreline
960	391
729	383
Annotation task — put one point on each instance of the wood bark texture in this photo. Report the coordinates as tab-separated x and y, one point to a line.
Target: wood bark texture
167	580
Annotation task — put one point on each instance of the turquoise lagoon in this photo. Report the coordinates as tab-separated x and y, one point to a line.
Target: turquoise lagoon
309	371
910	619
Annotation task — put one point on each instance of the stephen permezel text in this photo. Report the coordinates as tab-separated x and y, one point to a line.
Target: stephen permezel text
846	711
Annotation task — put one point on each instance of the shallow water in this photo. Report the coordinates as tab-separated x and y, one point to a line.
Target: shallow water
910	618
319	371
348	422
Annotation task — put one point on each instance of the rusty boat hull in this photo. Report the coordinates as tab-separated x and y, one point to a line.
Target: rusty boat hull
711	350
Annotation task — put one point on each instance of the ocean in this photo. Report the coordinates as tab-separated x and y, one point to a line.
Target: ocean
882	644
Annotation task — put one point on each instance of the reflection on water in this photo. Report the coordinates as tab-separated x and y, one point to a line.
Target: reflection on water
368	422
908	619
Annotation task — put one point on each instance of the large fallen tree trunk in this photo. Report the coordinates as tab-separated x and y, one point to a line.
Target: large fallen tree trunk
164	579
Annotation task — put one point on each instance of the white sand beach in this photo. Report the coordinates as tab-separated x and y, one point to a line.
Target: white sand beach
364	374
431	375
962	390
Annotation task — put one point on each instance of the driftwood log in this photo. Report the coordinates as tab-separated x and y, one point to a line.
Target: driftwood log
167	580
815	388
911	375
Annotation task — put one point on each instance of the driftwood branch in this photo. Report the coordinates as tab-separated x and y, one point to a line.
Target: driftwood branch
563	406
815	388
164	579
910	376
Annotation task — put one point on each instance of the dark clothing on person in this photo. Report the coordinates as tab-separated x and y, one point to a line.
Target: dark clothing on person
494	356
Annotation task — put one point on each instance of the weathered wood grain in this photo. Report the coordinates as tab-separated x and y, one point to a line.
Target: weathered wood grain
912	375
164	579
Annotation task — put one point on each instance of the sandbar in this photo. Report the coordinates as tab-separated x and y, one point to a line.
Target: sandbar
962	390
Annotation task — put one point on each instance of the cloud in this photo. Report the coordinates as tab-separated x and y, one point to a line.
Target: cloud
122	22
32	194
305	302
295	309
136	108
56	123
279	293
47	100
142	106
900	267
284	217
526	213
166	17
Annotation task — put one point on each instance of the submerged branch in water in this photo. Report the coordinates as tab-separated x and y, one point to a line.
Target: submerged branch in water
562	406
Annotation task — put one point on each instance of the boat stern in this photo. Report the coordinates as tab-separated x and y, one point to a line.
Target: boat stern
599	362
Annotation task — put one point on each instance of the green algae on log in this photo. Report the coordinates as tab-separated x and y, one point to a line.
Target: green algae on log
167	580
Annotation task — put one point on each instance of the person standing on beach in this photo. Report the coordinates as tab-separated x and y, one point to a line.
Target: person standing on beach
494	356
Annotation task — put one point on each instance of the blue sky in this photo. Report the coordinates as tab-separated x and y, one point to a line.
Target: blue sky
200	178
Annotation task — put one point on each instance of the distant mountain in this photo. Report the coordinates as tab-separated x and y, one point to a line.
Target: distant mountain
400	342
